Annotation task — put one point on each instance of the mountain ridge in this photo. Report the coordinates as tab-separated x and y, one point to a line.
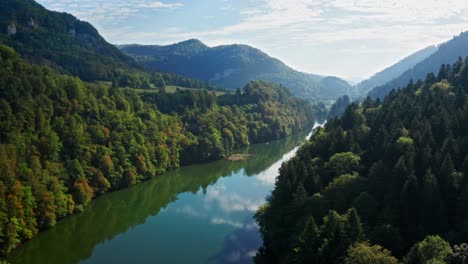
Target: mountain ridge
447	54
395	70
232	66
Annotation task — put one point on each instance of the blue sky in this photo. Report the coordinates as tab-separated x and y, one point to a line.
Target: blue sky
347	38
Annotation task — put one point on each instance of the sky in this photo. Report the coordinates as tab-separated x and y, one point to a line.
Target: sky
352	39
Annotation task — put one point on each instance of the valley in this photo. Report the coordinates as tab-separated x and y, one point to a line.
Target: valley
209	148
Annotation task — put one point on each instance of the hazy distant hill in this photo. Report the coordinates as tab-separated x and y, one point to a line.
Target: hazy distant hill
394	71
447	53
234	65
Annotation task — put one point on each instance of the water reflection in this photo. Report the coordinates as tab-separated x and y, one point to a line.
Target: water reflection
239	246
184	216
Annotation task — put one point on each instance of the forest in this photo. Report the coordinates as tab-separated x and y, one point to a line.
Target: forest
74	47
64	141
384	183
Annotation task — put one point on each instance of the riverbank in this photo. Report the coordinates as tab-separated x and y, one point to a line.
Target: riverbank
154	220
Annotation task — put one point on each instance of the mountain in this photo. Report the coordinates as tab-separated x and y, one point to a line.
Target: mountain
59	40
64	141
447	53
394	71
232	66
74	47
388	177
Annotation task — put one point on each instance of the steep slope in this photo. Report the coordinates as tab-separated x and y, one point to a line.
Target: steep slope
64	141
388	173
234	65
394	71
59	40
447	53
74	47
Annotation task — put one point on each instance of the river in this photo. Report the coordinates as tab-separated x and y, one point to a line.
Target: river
196	214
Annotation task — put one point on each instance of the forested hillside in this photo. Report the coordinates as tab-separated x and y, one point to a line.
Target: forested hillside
74	47
447	53
232	66
64	142
60	40
378	181
392	72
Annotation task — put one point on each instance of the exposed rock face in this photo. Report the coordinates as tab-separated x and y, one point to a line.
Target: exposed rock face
89	41
11	29
31	23
86	39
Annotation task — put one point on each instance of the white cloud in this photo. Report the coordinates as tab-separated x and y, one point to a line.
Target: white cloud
221	221
102	12
155	5
247	226
311	28
190	211
230	201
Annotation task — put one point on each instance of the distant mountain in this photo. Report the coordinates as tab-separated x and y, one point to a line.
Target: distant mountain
447	53
394	71
232	66
74	47
59	40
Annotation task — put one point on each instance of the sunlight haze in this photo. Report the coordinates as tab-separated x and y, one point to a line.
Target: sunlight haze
316	36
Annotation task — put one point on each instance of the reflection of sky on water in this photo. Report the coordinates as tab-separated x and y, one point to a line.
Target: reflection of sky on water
228	207
269	175
231	203
198	214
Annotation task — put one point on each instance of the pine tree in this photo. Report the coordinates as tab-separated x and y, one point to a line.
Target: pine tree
353	227
309	241
432	208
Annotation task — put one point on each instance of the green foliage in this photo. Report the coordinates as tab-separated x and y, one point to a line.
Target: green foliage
400	162
339	107
363	253
75	47
438	63
262	112
64	141
459	255
432	250
232	66
342	163
383	77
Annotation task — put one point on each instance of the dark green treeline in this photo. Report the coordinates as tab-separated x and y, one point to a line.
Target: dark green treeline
387	173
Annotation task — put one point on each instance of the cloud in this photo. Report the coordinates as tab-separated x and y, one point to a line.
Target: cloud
324	21
310	35
221	221
230	201
101	12
247	226
190	211
157	5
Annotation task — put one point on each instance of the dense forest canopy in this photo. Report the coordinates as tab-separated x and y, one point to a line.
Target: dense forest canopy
64	141
387	177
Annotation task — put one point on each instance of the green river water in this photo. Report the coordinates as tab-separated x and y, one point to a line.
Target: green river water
196	214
